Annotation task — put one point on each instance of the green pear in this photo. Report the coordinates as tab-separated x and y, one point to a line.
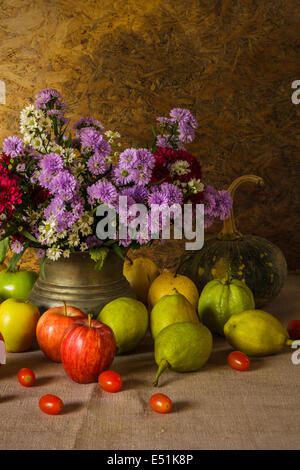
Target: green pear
174	308
128	318
182	347
256	333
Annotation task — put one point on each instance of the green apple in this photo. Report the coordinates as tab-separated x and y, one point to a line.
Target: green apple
18	322
16	284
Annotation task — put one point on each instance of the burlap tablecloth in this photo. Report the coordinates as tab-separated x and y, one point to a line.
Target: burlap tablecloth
214	408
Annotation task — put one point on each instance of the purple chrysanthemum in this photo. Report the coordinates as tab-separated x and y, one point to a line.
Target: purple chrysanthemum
55	207
165	120
216	204
13	146
103	191
85	122
184	115
40	253
165	194
51	163
144	158
64	184
186	132
92	139
17	247
128	158
97	165
48	97
123	176
224	204
138	193
92	241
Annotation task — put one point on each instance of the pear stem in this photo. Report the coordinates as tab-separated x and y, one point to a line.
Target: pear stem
163	365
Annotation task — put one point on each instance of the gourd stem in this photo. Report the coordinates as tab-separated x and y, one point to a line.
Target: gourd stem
229	230
161	368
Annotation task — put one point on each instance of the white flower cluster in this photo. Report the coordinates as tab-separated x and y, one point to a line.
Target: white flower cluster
50	236
36	128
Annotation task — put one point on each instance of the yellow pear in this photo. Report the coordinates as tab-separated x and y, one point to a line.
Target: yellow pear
140	273
166	282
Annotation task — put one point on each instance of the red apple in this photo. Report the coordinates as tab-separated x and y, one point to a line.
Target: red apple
51	328
2	351
88	347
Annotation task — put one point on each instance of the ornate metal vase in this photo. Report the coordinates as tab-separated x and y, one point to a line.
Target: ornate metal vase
76	281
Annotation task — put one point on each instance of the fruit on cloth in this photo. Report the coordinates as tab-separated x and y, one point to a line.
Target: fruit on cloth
16	284
173	308
256	333
51	404
183	347
166	282
160	403
88	347
26	377
293	329
110	381
51	328
140	273
18	322
128	318
257	261
222	298
238	360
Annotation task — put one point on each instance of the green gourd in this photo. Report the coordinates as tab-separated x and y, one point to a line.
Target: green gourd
249	258
222	298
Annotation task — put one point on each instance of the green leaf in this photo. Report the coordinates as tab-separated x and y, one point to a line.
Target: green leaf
42	267
29	236
99	255
16	258
118	250
153	131
3	249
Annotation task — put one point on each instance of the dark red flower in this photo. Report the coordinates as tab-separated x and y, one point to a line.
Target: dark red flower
39	195
10	193
165	157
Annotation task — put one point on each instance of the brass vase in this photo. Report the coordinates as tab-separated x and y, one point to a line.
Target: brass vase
76	281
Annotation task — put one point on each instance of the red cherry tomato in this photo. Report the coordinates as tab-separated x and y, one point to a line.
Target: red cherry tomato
238	360
160	403
293	329
26	377
110	381
51	404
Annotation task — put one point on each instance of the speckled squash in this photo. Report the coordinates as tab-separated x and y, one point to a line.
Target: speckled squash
252	259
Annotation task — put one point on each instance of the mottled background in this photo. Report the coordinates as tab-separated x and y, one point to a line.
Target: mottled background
125	62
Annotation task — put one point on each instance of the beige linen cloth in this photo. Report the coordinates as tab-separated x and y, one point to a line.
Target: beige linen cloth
214	408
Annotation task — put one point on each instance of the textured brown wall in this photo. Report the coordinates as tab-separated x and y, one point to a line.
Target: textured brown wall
125	62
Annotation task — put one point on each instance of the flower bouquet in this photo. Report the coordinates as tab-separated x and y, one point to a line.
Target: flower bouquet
53	179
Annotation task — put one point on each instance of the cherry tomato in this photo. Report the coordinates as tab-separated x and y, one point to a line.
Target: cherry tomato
238	360
293	329
26	377
110	381
160	403
51	404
